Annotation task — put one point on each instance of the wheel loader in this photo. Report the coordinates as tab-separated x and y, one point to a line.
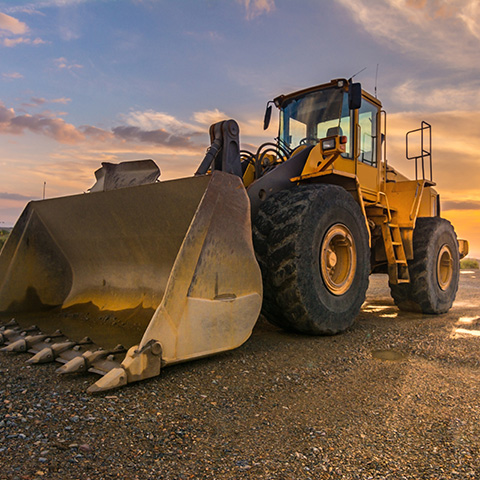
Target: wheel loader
138	273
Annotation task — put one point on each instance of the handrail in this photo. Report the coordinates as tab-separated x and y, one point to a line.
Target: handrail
425	129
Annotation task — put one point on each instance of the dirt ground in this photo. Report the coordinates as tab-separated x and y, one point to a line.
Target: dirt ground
395	397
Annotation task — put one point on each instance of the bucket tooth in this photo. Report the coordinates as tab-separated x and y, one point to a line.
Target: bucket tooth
7	335
75	365
31	328
49	354
12	323
29	341
18	346
113	379
36	347
102	364
138	364
43	356
23	344
105	354
83	362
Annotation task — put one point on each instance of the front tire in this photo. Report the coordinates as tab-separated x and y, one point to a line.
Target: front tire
434	270
312	245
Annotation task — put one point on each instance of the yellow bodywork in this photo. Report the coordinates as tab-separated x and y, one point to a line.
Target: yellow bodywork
411	199
319	160
388	200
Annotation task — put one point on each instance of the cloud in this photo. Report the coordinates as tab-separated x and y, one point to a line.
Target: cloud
10	25
38	101
209	117
12	76
62	63
148	127
455	146
14	196
6	114
97	134
158	136
34	7
255	8
436	30
12	42
423	95
55	128
470	15
150	120
461	205
62	100
139	131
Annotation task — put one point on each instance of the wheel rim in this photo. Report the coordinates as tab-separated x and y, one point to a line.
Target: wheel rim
444	267
338	259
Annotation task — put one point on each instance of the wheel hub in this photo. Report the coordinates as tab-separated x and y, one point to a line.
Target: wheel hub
331	259
444	267
338	259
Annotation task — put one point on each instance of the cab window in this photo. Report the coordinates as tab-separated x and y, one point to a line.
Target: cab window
338	127
298	132
367	119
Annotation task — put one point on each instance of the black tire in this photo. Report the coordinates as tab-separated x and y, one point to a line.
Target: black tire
294	232
434	270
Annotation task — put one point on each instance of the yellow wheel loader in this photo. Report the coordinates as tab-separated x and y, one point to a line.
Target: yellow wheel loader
139	273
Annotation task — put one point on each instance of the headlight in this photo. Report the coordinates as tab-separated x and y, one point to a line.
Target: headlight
328	144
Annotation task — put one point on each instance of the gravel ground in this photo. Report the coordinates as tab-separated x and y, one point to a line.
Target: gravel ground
395	397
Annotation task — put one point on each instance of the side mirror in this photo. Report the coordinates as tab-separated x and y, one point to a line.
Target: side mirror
355	96
268	116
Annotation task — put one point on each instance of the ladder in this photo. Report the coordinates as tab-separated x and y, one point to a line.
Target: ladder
396	257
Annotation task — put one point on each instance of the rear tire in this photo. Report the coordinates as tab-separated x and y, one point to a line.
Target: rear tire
312	245
434	270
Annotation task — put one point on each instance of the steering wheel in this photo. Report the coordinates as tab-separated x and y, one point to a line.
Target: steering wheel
308	141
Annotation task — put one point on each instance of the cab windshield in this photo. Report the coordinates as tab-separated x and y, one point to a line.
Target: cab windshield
316	115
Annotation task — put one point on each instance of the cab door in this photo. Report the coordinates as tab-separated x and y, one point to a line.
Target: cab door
367	148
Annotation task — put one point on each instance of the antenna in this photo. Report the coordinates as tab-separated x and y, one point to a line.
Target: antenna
376	77
44	188
358	73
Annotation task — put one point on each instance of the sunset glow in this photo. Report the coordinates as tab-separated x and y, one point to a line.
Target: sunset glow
87	81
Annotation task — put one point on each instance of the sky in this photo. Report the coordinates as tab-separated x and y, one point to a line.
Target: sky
88	81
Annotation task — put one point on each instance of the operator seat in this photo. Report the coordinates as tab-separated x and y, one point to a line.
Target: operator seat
334	131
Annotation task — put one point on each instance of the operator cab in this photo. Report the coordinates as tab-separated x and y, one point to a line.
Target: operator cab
310	115
337	108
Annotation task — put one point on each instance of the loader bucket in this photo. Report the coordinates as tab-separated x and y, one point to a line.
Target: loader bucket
166	269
